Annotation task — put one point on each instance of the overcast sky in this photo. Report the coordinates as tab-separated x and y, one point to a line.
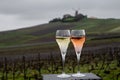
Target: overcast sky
16	14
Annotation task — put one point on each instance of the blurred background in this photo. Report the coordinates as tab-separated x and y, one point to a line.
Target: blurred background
28	47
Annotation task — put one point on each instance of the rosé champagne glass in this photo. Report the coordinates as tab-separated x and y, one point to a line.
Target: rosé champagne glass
63	40
78	39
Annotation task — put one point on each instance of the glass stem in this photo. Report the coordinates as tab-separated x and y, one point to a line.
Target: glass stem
78	61
63	62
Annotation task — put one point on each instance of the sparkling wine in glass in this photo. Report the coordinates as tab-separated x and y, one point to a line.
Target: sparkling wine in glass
78	39
63	40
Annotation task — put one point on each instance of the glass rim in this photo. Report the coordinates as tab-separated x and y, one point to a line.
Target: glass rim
78	30
63	33
63	30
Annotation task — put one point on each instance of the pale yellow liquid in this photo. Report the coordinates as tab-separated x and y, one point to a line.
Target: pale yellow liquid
63	43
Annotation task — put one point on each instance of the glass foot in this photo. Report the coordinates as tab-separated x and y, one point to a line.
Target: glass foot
63	75
78	75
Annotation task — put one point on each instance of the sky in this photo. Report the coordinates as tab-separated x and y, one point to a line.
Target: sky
15	14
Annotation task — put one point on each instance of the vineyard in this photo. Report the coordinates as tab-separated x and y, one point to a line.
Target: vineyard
28	53
104	61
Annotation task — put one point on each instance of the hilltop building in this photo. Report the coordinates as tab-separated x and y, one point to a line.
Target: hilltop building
70	18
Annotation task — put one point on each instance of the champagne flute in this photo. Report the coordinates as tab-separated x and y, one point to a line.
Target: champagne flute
78	39
63	40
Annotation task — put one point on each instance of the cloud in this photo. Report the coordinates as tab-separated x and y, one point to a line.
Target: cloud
38	11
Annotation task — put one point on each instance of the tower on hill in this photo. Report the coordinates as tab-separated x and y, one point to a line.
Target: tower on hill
76	13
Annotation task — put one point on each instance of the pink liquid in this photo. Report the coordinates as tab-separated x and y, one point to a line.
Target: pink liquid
78	42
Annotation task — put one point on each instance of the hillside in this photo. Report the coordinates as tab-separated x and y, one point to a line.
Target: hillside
45	33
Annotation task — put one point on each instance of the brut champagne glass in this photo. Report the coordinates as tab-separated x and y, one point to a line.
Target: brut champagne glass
63	40
78	39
